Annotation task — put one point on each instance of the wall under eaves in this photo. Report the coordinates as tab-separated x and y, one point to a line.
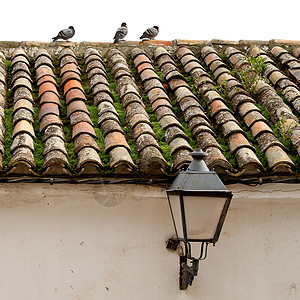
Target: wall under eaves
89	241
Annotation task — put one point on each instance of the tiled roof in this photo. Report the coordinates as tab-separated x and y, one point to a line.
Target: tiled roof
139	109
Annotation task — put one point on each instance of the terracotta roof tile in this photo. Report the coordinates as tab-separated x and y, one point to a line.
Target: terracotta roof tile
108	116
55	164
252	117
22	114
75	106
85	140
53	130
25	155
19	74
23	126
75	94
23	104
80	116
43	60
68	59
47	87
49	97
66	52
46	78
148	74
165	59
231	127
70	68
72	84
48	108
121	160
151	84
68	76
19	59
20	66
22	140
130	98
89	161
42	52
110	125
54	143
43	71
83	127
48	120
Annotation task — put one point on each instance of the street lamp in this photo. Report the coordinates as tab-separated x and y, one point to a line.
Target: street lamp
199	203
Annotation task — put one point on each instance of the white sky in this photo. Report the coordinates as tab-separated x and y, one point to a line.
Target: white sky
98	20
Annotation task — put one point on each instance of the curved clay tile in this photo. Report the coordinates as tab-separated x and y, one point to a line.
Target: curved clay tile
75	94
23	126
70	68
22	140
47	87
89	161
66	52
68	59
43	71
23	104
80	116
50	97
19	59
98	78
115	139
22	114
53	130
85	140
121	160
83	127
46	78
19	74
102	97
68	76
42	52
95	64
96	70
20	66
108	116
110	125
48	120
43	60
55	163
72	84
48	108
22	160
54	143
76	105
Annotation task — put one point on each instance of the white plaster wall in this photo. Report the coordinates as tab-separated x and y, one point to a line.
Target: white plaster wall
108	242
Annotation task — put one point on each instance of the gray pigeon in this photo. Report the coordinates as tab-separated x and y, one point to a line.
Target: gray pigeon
150	33
65	34
121	32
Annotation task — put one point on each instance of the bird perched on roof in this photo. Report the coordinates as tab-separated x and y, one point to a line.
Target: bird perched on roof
121	32
65	34
150	33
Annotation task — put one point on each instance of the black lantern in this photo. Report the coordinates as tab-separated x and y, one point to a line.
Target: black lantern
199	203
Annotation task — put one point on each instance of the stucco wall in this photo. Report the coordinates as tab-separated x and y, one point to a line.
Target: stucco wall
108	242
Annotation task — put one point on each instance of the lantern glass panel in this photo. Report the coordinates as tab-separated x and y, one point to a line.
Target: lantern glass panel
174	202
202	215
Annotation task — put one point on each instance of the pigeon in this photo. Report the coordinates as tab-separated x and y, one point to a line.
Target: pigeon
121	32
65	34
150	33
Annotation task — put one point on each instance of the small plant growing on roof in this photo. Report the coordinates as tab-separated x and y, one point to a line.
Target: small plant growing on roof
286	127
251	73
